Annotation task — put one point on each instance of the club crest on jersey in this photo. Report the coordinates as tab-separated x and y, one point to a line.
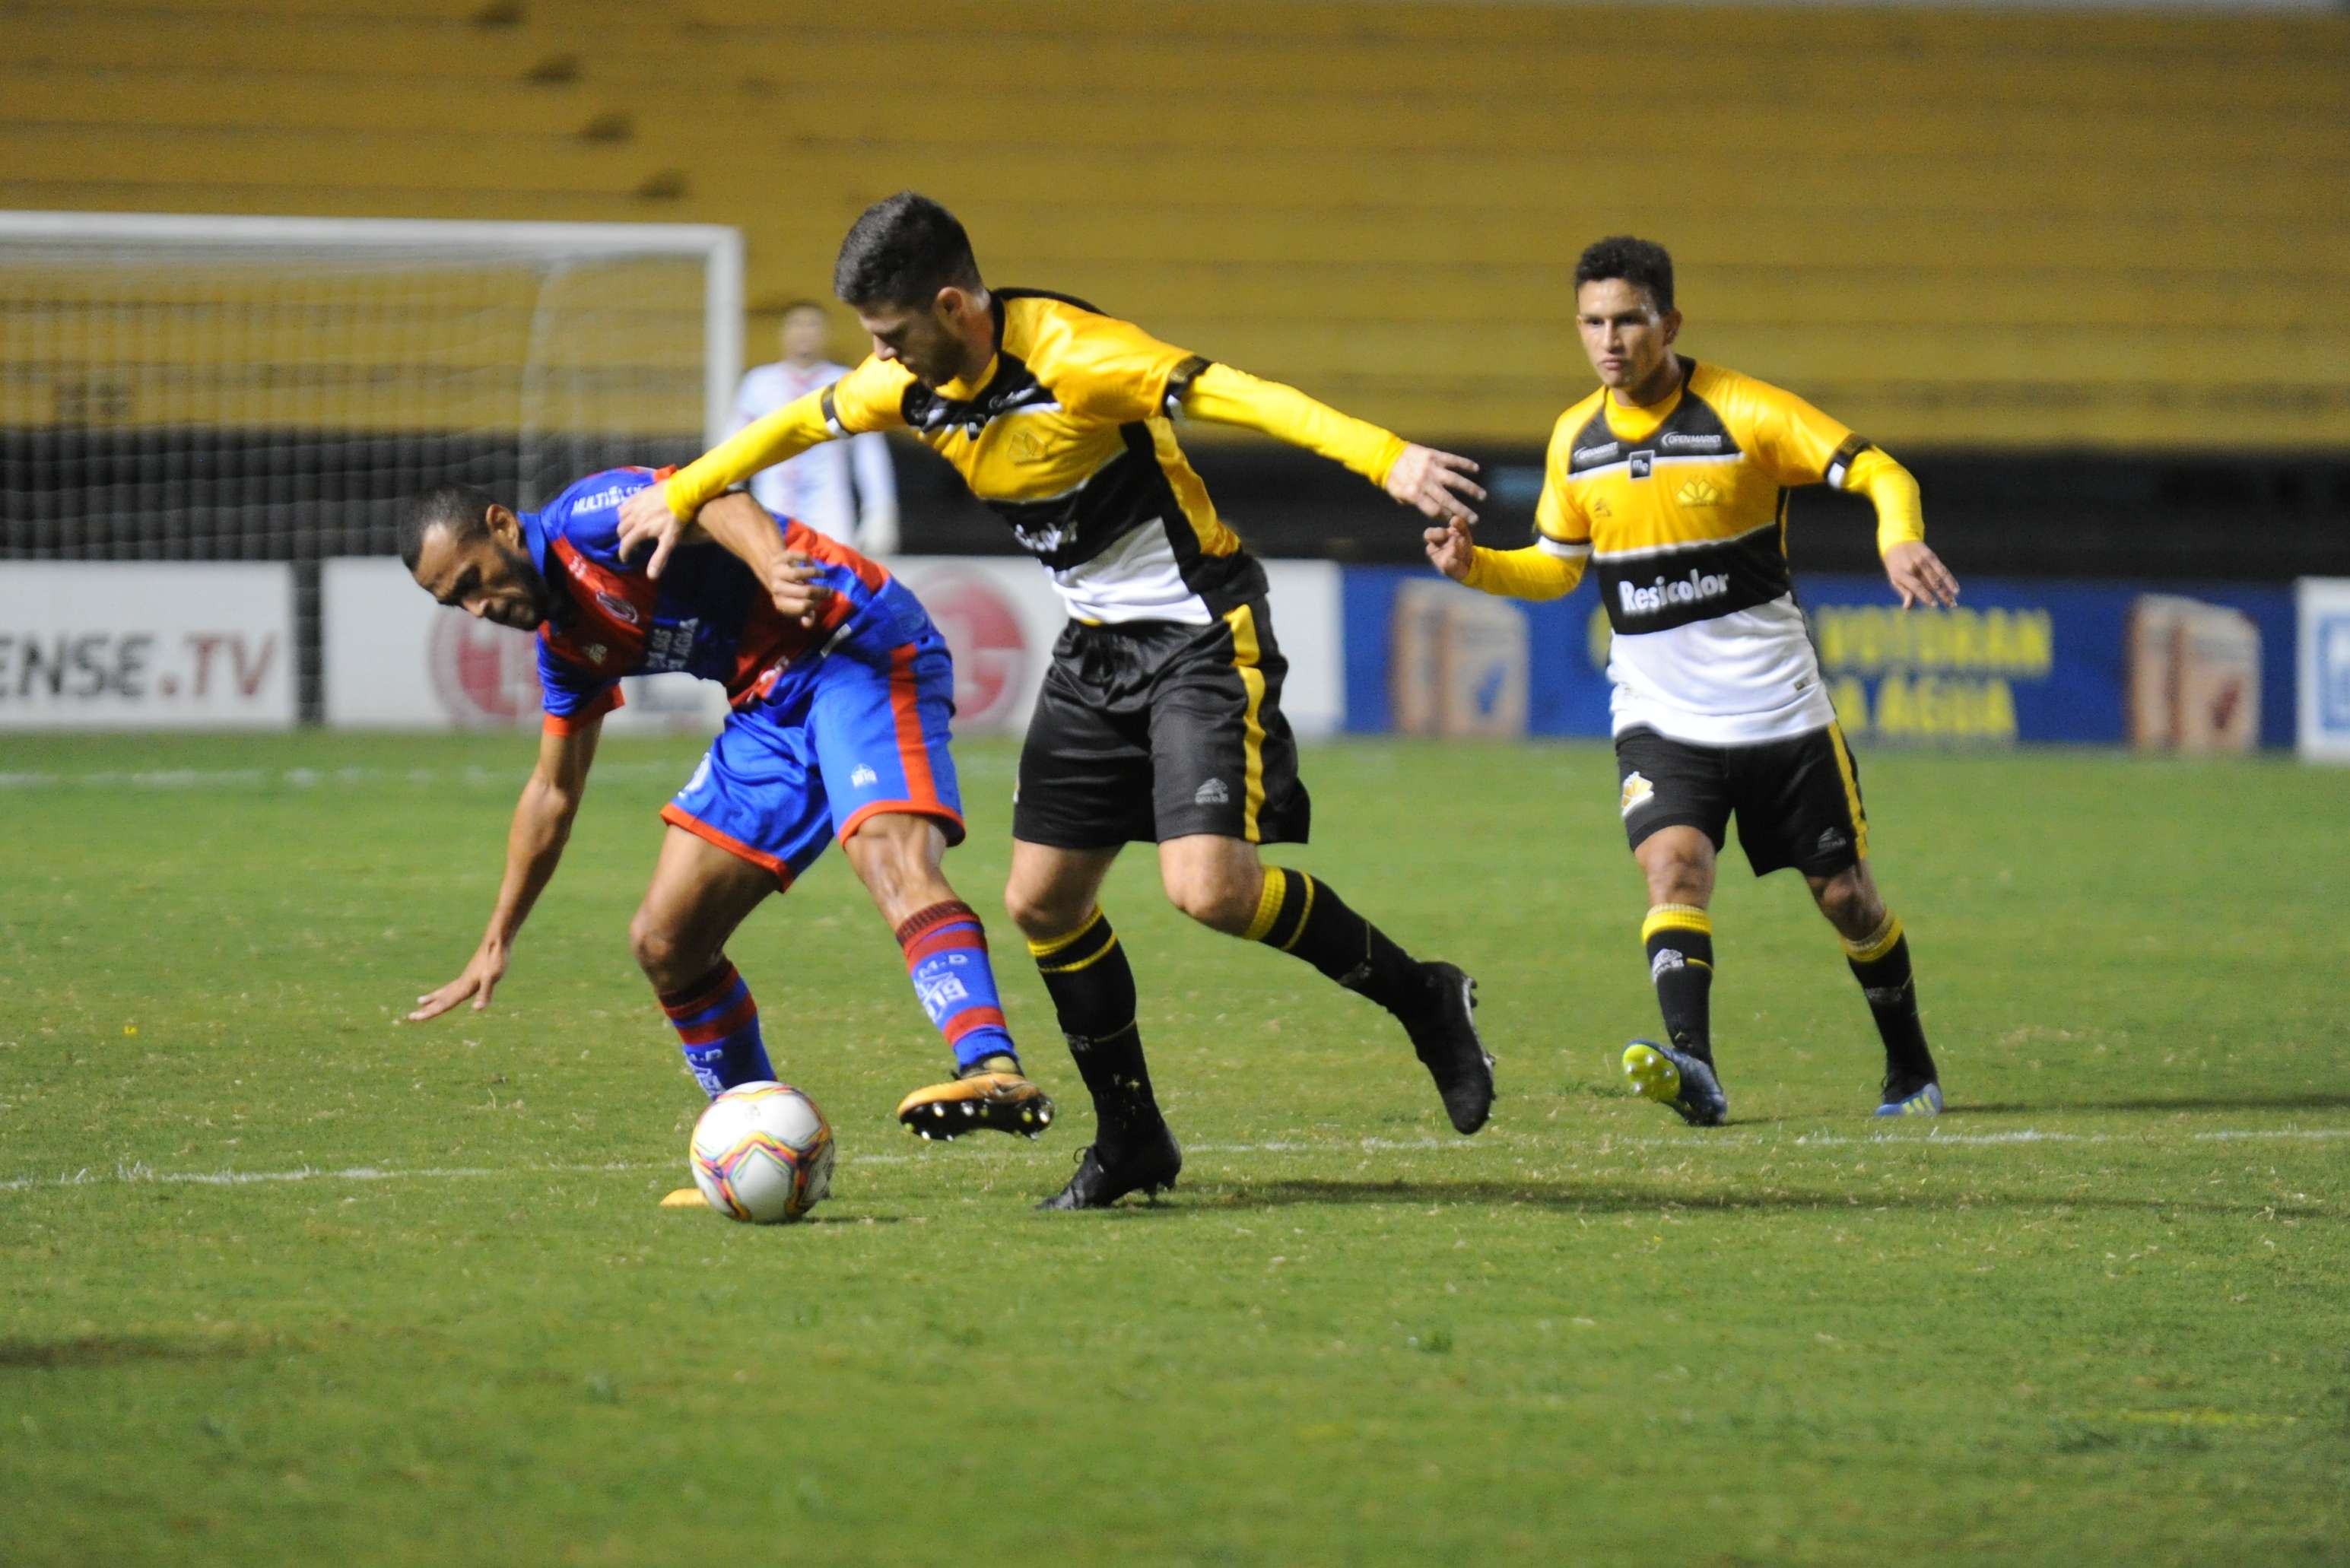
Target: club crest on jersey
1698	492
1640	464
619	608
1638	791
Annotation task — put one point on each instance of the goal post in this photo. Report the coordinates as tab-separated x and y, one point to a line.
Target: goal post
266	389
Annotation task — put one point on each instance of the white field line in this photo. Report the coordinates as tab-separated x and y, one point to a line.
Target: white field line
310	778
135	1174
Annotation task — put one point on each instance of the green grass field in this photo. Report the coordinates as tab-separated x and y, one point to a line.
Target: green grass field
286	1279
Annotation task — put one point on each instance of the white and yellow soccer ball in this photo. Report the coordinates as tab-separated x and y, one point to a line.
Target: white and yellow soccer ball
762	1153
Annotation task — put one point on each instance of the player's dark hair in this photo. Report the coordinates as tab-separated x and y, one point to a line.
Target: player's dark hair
1643	264
901	251
462	509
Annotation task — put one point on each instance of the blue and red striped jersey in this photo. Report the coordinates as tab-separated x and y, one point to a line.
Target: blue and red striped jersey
707	615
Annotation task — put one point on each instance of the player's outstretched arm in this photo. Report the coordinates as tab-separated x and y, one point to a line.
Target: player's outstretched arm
1436	484
542	822
1916	573
1533	573
658	513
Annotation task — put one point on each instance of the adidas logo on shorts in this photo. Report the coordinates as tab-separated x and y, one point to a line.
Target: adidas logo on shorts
1212	793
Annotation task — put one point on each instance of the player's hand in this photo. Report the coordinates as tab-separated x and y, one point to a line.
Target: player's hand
1436	482
645	518
1452	549
1919	576
795	583
481	978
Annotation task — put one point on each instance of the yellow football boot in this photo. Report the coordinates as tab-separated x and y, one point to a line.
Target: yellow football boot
991	1095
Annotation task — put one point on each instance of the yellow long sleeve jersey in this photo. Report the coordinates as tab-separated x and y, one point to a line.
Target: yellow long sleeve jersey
1681	510
1067	435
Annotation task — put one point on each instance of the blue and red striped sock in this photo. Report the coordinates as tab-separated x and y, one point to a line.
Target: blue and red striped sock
946	958
717	1024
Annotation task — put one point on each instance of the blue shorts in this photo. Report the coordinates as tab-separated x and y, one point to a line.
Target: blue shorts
861	733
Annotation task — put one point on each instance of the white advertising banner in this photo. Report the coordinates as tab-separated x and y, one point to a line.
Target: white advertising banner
121	644
2324	648
1001	616
394	660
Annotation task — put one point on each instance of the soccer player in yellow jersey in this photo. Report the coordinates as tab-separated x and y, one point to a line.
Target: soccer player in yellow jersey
1161	715
1670	484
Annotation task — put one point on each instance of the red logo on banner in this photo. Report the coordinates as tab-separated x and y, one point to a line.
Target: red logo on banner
483	673
982	631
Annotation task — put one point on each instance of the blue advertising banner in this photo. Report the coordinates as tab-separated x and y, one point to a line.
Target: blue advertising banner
2208	666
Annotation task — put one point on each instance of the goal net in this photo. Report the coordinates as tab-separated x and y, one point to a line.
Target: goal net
267	389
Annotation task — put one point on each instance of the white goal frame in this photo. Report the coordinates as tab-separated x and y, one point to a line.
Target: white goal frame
718	246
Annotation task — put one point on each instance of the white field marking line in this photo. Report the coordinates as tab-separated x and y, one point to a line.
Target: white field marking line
306	778
134	1174
137	1174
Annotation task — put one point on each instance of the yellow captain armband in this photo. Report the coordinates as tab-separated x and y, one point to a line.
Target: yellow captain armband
1544	571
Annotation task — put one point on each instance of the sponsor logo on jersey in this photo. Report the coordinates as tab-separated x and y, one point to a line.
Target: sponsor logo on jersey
1212	793
1833	840
862	778
1642	464
1677	441
1667	592
1698	492
1638	791
1665	961
619	608
609	496
1598	453
669	647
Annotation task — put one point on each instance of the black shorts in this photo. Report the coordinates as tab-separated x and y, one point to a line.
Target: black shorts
1154	730
1798	801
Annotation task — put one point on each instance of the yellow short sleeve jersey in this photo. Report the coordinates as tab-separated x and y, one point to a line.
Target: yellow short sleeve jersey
1681	510
1066	436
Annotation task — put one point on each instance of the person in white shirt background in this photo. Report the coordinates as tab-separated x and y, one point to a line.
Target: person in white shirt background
817	486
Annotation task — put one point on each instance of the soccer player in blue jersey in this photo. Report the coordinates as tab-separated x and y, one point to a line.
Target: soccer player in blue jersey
841	691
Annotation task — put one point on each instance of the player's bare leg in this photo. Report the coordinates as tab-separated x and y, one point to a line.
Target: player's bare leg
1678	863
698	895
1053	895
1878	952
1222	883
899	857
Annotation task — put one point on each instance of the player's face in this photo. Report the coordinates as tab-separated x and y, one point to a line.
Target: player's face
489	576
933	341
804	335
1628	340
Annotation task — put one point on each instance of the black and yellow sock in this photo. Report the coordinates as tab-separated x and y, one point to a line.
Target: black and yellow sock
1680	942
1093	995
1880	961
1301	916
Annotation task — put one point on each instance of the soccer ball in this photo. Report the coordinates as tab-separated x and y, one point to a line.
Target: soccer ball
762	1153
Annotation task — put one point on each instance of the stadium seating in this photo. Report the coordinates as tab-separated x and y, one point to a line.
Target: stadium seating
1957	229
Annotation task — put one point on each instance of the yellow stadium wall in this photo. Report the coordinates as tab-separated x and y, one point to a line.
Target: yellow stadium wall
1957	230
